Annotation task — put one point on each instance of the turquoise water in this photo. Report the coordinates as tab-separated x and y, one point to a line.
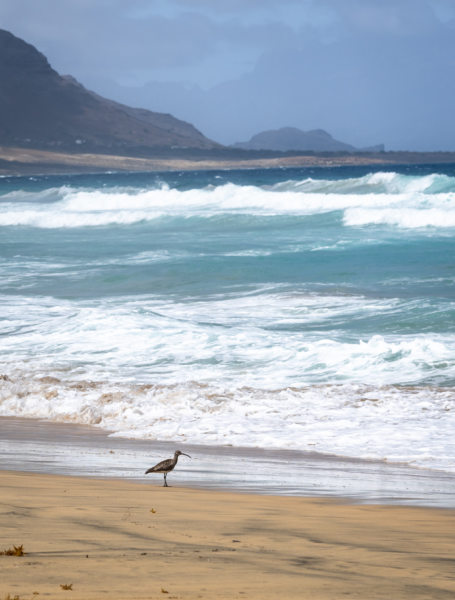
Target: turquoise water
289	308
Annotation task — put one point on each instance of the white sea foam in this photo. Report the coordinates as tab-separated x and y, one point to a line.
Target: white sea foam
380	198
231	370
409	218
373	183
242	339
413	424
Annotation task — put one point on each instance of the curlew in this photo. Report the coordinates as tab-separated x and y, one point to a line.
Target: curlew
165	466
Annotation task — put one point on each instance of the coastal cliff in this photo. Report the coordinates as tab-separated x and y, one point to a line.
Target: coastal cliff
41	109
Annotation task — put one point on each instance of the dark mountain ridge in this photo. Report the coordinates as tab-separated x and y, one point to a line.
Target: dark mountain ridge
293	139
41	109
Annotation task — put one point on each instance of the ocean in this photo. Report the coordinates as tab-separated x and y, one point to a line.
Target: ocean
300	309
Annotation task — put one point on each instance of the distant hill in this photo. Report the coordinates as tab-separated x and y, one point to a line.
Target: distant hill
41	109
290	138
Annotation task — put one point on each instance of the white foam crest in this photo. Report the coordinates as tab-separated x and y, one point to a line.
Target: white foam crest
100	208
396	183
382	182
406	218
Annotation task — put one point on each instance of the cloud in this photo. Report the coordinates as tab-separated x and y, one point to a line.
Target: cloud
367	70
405	17
139	40
366	86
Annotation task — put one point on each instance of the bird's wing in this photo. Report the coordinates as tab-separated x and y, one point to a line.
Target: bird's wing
161	466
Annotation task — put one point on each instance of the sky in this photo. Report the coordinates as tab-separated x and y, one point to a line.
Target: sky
366	71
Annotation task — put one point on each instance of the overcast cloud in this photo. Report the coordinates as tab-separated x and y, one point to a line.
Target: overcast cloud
368	71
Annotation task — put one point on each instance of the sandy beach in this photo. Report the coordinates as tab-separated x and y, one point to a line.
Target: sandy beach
24	161
20	161
115	539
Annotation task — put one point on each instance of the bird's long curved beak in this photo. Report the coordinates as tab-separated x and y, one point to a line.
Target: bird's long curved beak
186	455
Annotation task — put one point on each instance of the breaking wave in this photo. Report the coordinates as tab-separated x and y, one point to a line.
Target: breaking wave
410	424
376	199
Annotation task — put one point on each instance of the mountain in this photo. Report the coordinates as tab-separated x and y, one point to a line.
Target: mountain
291	138
41	109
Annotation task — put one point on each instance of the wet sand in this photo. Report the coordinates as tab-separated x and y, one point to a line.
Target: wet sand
69	449
123	540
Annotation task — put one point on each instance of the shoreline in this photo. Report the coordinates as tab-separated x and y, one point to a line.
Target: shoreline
46	447
119	539
16	162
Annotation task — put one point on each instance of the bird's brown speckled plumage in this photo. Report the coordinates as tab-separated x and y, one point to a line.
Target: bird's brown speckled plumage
165	466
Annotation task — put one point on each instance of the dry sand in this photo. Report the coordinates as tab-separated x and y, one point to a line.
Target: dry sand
23	161
121	540
20	161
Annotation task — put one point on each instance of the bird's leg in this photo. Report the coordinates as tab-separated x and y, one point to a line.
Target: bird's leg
165	481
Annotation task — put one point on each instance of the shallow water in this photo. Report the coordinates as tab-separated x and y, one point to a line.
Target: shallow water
62	449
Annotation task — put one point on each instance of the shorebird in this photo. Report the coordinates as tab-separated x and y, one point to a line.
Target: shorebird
165	466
